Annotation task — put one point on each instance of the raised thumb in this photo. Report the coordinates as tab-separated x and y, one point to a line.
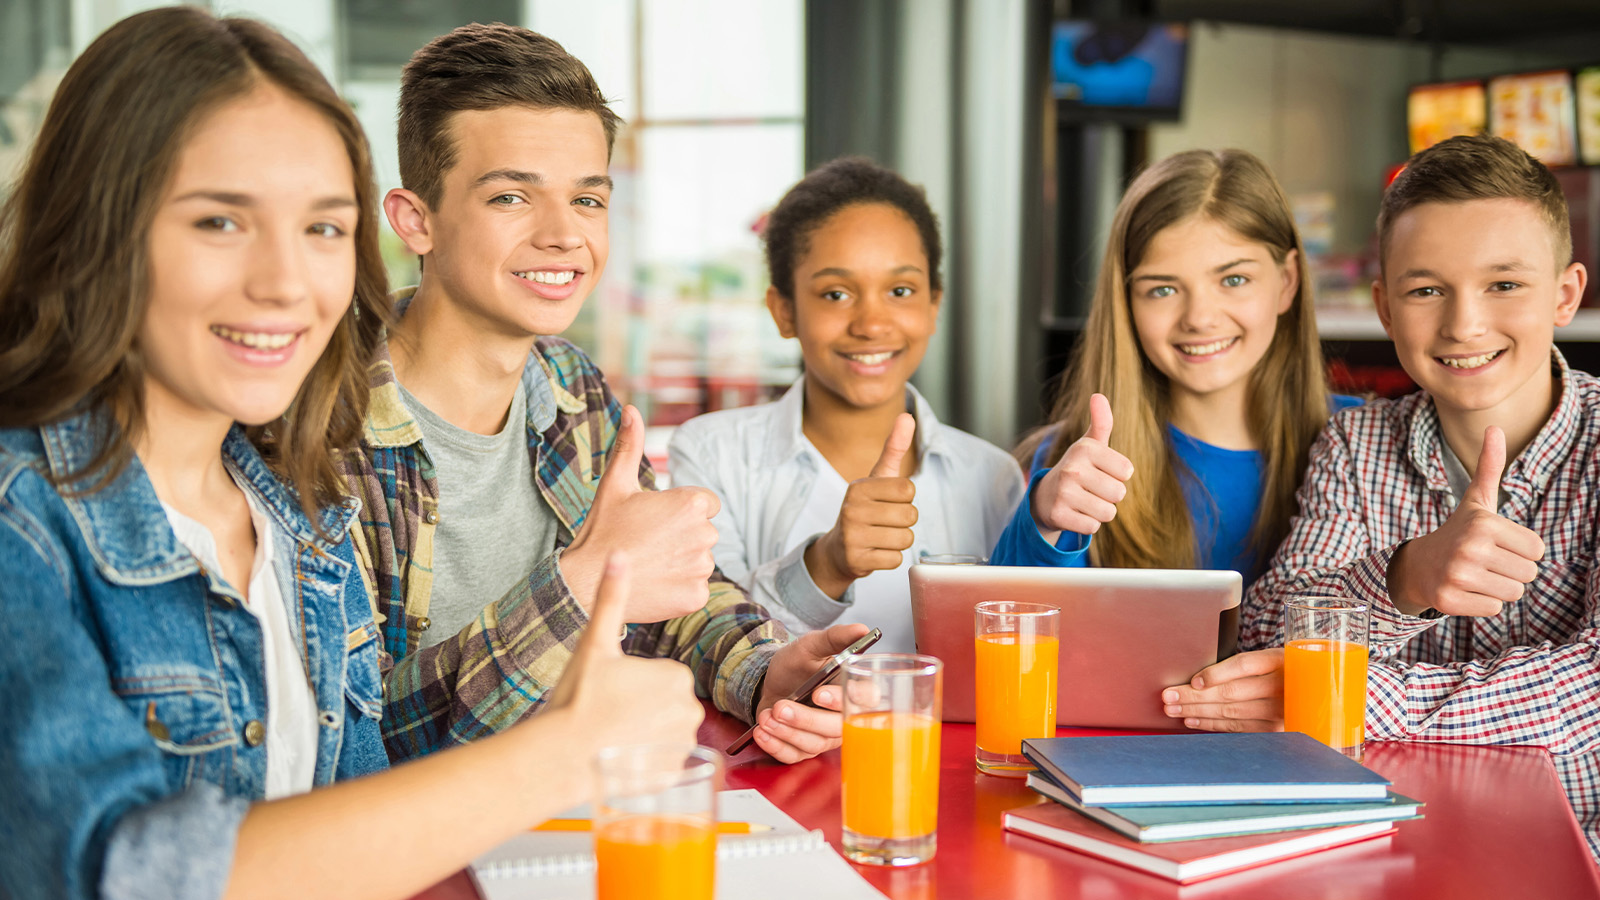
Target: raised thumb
627	450
1485	487
1099	419
895	448
606	617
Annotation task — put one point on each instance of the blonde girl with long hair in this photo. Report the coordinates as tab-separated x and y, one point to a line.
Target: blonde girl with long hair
1201	348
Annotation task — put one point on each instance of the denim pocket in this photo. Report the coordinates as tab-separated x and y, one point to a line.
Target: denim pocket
186	715
363	686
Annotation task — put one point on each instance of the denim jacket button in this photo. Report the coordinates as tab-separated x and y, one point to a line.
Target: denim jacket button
155	726
254	732
329	719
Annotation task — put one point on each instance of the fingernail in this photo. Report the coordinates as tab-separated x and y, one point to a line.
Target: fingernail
824	695
785	713
1198	683
1191	723
1173	711
1169	696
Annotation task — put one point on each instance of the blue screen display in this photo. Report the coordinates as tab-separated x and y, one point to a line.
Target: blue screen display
1120	66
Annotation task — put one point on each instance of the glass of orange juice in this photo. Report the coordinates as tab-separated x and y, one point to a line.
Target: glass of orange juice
1325	671
890	758
655	821
1018	648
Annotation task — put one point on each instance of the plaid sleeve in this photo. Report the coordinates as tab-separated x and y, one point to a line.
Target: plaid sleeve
1542	695
491	675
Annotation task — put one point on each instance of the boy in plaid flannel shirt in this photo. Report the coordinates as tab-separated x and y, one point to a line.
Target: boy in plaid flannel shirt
505	141
1479	572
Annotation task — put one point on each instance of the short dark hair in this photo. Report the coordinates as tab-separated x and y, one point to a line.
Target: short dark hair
847	181
482	67
1477	167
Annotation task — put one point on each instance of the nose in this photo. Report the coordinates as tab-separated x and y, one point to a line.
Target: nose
558	229
869	318
1464	318
277	274
1201	310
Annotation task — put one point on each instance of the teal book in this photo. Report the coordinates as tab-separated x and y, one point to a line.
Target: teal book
1158	824
1172	769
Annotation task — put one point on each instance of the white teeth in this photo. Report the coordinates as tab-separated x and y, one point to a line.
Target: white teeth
1470	362
870	359
548	277
256	340
1206	349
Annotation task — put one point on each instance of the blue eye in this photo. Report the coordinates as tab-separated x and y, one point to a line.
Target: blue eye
1160	291
505	200
1234	281
591	202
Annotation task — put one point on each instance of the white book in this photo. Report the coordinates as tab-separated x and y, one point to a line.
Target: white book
786	862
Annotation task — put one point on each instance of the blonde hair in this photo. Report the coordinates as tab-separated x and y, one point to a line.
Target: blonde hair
1287	400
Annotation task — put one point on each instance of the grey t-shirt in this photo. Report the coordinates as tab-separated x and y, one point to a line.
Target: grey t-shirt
493	526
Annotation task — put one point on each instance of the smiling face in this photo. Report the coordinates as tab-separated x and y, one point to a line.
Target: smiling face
863	308
518	238
1205	304
1471	294
252	260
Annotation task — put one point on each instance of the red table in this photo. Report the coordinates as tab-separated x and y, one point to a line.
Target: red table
1497	826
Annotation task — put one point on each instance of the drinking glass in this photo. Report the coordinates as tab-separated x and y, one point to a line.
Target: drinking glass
655	818
891	758
1325	671
1018	652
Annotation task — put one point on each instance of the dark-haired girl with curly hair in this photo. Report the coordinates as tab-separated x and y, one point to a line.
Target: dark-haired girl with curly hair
824	491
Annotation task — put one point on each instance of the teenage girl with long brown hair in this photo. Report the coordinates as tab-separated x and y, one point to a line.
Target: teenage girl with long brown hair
1201	349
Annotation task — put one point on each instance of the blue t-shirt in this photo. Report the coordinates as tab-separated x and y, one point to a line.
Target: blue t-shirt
1221	487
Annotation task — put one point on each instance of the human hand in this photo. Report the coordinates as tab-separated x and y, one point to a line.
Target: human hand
1477	561
791	731
611	698
667	535
1081	492
1241	693
874	525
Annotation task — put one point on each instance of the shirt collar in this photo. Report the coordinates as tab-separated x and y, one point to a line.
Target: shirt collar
787	439
1532	469
391	424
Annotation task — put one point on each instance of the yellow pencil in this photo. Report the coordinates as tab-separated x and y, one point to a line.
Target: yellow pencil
587	824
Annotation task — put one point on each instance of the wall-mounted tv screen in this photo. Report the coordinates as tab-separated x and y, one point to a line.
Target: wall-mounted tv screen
1587	87
1118	70
1536	111
1438	111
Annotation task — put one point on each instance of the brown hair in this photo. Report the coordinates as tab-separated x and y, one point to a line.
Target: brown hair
1477	167
1288	401
481	67
74	269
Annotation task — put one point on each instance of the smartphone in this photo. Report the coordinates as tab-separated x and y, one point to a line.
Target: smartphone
828	672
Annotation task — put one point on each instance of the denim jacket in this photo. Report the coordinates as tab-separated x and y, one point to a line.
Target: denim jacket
133	682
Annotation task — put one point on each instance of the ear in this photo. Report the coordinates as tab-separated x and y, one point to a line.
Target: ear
408	216
782	309
1380	302
1291	280
1570	287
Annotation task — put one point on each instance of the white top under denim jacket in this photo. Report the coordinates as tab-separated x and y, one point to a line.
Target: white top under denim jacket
764	470
134	682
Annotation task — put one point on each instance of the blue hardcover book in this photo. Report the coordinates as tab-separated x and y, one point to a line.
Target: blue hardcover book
1170	769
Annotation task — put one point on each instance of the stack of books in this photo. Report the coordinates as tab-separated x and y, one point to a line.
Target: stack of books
1194	806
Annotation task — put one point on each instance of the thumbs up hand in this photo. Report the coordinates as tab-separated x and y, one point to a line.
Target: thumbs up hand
1082	492
1477	561
668	535
874	525
613	699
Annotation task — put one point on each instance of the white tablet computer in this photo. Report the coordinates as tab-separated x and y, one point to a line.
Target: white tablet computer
1125	633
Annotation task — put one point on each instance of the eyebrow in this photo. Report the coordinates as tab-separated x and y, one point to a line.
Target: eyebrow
1217	271
1509	266
837	272
231	198
534	179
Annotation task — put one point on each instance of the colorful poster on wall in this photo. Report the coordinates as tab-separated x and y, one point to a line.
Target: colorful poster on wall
1536	111
1438	111
1588	92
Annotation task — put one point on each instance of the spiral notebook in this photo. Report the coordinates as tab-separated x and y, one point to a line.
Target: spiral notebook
786	862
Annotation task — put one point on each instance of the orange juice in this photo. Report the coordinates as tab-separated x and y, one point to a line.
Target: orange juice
891	774
656	858
1016	690
1325	690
